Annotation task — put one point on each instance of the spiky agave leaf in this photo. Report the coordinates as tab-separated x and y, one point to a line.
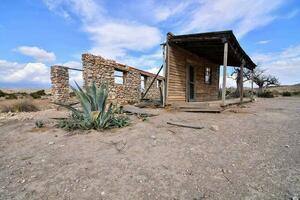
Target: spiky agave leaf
101	97
84	100
105	117
76	112
91	95
95	114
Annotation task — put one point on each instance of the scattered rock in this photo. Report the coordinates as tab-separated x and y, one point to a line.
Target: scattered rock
287	146
214	128
102	193
50	143
153	137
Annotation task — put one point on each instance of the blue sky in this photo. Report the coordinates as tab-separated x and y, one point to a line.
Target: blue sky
35	34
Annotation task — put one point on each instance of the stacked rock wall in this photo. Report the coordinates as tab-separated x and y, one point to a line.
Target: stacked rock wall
59	84
100	70
153	92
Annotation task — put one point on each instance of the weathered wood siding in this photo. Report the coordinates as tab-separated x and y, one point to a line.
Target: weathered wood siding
178	60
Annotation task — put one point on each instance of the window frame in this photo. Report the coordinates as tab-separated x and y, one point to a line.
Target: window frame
208	73
119	76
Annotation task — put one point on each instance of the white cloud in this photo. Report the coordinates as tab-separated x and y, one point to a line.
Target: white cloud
154	70
31	72
144	61
74	76
264	42
163	12
241	16
113	40
292	14
72	64
40	55
284	64
38	73
68	9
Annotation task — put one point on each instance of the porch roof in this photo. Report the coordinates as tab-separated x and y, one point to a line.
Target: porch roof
211	46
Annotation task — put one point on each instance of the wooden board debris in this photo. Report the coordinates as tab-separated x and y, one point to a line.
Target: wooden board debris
185	125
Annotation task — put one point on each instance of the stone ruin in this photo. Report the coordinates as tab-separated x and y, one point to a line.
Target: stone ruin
124	88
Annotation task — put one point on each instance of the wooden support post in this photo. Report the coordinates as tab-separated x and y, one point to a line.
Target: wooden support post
252	94
242	82
224	72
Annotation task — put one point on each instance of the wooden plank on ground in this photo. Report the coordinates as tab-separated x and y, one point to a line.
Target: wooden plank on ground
185	125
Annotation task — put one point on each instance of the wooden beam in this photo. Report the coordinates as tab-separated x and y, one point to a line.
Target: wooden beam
70	68
242	81
252	97
152	82
224	72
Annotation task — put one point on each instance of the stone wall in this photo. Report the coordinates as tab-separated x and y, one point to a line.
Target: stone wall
153	92
59	84
100	70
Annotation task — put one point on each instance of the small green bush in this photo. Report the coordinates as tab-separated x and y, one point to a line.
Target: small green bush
11	96
286	94
296	93
266	94
2	94
39	124
38	94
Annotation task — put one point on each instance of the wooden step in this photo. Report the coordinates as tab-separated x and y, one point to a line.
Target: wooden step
203	110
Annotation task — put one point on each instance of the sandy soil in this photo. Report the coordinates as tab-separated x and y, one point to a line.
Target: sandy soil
251	152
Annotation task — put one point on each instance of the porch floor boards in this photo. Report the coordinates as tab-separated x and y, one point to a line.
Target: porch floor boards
208	106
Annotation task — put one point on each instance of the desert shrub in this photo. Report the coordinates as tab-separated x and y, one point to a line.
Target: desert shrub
39	124
275	92
296	93
19	106
286	94
2	94
38	94
266	94
228	92
95	113
11	96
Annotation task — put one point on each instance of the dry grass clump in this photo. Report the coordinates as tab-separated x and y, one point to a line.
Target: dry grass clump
19	106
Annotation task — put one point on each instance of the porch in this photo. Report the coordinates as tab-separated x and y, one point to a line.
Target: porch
192	67
208	106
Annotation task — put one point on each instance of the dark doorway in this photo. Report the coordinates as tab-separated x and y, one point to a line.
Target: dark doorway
191	83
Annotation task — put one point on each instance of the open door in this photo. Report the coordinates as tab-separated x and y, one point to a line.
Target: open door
190	83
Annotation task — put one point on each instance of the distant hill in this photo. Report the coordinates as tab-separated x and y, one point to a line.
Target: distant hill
286	88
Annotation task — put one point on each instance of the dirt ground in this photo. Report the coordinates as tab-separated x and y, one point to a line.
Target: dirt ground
251	152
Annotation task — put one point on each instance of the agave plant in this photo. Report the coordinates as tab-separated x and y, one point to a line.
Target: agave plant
95	113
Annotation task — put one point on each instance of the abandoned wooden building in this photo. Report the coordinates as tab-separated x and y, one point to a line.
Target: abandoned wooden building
192	65
191	68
